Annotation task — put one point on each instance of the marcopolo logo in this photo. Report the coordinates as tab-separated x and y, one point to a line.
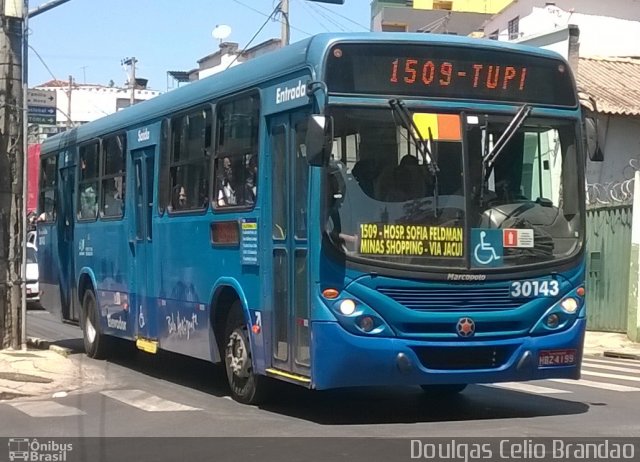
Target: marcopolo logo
285	94
32	450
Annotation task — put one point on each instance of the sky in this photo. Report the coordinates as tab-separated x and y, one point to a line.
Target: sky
88	39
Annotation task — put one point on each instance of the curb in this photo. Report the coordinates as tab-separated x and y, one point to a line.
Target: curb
42	344
621	355
38	343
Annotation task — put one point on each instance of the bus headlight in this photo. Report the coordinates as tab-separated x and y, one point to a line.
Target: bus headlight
569	305
553	320
366	323
347	307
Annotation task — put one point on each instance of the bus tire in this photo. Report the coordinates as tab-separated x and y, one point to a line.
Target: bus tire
444	390
246	386
96	344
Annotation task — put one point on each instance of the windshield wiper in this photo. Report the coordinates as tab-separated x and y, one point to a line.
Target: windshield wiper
400	110
512	128
489	158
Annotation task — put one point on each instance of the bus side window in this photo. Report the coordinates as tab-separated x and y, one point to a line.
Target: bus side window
88	182
236	165
190	160
113	177
48	184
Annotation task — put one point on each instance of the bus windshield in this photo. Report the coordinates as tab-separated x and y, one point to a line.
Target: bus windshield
520	183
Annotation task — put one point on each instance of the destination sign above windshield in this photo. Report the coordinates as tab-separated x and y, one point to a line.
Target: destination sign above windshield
450	72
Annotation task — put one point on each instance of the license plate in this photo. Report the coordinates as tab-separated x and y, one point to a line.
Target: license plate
28	291
556	358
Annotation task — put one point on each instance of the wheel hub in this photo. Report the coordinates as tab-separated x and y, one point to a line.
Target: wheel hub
90	330
238	355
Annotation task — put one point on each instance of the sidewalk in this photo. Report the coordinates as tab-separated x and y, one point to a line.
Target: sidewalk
43	373
611	344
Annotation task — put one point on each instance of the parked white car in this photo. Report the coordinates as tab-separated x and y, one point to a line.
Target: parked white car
32	238
33	286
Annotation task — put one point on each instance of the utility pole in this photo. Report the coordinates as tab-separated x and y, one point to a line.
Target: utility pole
69	123
131	62
286	31
12	16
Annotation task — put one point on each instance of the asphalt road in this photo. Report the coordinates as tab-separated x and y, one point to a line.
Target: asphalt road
171	395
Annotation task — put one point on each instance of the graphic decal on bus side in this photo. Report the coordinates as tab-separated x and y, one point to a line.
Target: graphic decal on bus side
116	323
411	240
85	249
181	326
115	305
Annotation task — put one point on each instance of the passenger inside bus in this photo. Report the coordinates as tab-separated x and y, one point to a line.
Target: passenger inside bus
88	202
113	205
226	194
178	199
364	171
88	195
403	182
251	181
182	198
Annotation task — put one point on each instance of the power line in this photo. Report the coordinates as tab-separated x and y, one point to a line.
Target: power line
269	16
343	17
42	61
304	3
339	26
252	9
54	78
276	10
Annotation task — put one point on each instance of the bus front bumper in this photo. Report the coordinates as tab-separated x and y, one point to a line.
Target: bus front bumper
341	359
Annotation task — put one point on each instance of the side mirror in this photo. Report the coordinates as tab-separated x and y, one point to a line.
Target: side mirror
319	140
593	145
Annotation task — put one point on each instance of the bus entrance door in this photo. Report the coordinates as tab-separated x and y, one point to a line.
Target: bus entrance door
140	245
290	295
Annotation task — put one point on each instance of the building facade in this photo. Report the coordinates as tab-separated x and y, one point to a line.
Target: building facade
228	55
77	104
460	17
610	28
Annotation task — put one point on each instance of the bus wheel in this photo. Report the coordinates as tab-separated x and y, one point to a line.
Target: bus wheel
444	390
95	343
246	387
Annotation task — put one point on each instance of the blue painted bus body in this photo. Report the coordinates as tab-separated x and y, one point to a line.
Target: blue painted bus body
170	286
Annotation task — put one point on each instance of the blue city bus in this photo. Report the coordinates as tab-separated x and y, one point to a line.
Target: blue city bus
351	210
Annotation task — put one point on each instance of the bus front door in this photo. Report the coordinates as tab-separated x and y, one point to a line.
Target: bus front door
289	198
140	244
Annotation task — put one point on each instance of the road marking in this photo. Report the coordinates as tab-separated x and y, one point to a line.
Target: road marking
601	385
611	376
46	409
610	368
528	388
146	401
617	362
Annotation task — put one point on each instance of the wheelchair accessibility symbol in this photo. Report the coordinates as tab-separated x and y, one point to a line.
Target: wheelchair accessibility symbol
487	247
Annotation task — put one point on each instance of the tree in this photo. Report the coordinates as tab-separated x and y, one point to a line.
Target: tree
11	173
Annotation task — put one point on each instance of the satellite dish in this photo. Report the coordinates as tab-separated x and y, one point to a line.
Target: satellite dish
221	32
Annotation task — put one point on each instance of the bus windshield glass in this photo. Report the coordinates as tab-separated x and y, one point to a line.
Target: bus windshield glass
392	200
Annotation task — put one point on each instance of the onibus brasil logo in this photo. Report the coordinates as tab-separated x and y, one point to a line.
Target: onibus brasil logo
32	450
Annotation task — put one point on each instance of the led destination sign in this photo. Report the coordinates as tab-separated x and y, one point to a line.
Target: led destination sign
449	72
